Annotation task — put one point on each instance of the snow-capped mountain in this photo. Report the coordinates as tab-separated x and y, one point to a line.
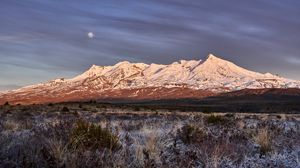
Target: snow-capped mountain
213	75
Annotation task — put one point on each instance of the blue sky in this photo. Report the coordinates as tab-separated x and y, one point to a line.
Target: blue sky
46	39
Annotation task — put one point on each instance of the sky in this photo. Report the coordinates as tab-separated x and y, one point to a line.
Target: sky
42	40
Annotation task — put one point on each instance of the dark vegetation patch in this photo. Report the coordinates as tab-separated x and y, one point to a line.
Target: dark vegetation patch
191	134
215	119
65	109
241	104
93	137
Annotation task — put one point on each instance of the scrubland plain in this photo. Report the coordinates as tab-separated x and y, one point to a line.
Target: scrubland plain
103	135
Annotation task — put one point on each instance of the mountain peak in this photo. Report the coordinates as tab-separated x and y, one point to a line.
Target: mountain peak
94	66
213	57
213	61
122	63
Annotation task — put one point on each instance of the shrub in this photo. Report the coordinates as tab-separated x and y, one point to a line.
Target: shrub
6	104
215	119
191	134
229	115
206	110
93	137
65	109
137	109
85	109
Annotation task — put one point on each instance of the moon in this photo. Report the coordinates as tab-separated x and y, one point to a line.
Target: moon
91	35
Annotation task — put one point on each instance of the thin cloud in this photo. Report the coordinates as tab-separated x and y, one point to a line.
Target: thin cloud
51	35
293	60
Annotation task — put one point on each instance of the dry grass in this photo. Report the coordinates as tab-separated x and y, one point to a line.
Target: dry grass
216	156
10	125
59	150
153	147
263	138
147	139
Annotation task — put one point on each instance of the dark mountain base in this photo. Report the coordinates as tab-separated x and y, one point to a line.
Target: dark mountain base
225	105
243	101
248	100
253	105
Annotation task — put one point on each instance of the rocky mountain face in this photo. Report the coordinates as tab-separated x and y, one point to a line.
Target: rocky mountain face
182	79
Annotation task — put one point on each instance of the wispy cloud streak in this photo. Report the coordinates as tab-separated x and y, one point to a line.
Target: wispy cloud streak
51	35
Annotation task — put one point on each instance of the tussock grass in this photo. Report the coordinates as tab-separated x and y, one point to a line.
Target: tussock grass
92	136
190	134
264	139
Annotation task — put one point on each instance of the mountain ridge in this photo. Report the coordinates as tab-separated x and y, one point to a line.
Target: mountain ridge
215	75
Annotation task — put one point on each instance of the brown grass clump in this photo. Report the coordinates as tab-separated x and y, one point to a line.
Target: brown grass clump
93	137
152	150
191	134
263	138
10	125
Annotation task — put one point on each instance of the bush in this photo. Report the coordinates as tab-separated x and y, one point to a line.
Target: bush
137	109
206	110
93	137
191	134
65	109
213	119
6	104
229	115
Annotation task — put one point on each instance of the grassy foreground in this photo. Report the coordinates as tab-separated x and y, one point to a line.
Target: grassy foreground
99	135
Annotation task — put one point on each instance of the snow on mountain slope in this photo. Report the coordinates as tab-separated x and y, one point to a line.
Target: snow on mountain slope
213	74
174	74
219	74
